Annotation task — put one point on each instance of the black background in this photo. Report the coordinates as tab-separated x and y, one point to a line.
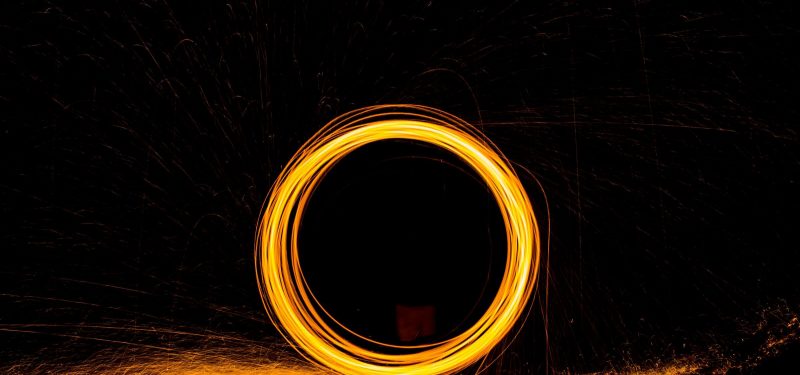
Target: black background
400	223
140	139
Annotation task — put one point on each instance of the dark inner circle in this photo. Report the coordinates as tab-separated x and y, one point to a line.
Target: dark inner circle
403	225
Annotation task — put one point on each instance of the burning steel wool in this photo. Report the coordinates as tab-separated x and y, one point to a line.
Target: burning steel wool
640	219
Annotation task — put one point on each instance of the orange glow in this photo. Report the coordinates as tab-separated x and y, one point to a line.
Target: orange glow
292	306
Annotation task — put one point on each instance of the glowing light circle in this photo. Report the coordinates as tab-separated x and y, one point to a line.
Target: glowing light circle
292	306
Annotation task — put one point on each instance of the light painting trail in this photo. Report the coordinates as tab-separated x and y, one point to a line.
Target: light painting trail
292	306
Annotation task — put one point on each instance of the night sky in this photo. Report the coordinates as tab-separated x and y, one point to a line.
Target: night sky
659	140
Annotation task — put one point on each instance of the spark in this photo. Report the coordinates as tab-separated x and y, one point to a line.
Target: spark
245	360
292	306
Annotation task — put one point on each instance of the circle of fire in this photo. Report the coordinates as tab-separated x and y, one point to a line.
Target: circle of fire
292	306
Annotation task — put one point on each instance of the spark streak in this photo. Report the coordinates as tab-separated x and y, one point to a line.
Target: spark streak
292	306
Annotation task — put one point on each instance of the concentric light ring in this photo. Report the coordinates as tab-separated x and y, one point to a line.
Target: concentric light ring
292	306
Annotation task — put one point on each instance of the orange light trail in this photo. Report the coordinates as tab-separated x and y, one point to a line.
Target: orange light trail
292	306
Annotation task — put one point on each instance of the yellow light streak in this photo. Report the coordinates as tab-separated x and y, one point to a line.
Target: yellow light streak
292	306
